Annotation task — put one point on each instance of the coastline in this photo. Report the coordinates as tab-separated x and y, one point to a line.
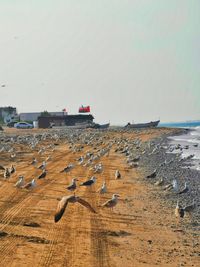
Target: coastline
177	168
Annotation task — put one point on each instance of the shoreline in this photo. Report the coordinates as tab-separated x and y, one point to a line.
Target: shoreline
177	168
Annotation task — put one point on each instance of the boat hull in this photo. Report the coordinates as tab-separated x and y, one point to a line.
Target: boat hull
143	125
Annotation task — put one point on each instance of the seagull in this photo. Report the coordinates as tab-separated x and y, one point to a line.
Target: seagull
34	161
103	189
68	168
133	165
136	159
13	156
80	160
89	182
62	204
6	173
43	174
173	185
42	166
112	202
20	182
179	211
12	169
48	158
152	175
117	174
159	182
98	168
41	151
190	208
185	189
72	186
30	185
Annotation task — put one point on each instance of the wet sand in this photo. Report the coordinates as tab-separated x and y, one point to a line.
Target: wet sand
140	231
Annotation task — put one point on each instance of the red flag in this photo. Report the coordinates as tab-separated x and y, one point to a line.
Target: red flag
83	109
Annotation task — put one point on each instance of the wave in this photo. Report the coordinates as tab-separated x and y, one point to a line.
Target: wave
192	124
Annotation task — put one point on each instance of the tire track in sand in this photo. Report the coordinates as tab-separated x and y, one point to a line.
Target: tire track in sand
55	231
20	208
100	246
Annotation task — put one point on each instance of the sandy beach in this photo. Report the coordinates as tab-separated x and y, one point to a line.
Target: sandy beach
141	230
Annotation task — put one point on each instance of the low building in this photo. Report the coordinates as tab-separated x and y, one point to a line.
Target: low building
66	120
33	116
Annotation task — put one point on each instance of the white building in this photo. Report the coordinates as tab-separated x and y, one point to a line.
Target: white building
33	116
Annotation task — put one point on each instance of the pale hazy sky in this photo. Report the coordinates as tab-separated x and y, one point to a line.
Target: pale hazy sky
130	60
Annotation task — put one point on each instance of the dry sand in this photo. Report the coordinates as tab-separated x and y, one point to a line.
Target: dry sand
137	233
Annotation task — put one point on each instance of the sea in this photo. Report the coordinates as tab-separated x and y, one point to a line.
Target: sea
189	142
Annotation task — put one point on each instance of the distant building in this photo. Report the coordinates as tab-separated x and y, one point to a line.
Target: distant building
33	116
8	114
66	120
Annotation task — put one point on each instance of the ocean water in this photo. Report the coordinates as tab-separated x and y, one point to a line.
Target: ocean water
189	124
189	144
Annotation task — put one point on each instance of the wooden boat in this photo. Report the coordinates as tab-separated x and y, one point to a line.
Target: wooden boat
83	125
88	125
143	125
102	126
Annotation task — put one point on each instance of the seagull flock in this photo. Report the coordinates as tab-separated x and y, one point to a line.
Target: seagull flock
174	186
76	143
93	145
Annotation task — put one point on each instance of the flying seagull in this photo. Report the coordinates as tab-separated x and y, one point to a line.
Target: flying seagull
62	204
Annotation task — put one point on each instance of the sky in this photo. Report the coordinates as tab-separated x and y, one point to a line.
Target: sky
130	60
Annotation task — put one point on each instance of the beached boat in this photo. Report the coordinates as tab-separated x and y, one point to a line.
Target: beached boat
143	125
86	125
104	126
101	126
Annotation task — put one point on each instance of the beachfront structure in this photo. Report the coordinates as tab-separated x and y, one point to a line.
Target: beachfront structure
64	120
33	116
